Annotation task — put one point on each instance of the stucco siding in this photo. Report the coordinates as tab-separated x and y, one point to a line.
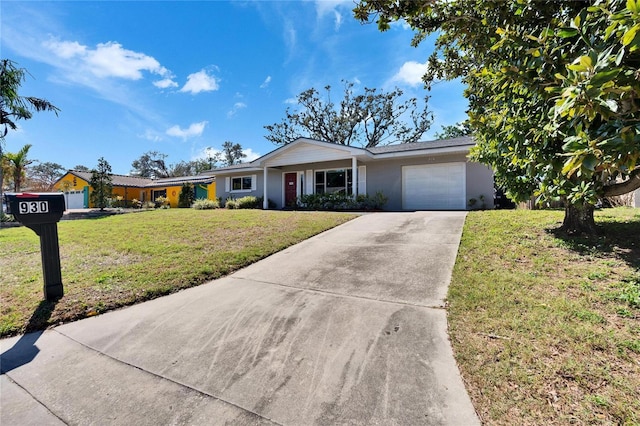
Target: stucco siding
386	176
221	186
479	183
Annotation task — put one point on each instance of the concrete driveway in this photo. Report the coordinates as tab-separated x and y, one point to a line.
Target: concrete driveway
344	328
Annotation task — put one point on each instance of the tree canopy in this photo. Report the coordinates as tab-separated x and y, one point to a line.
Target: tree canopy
553	89
368	119
454	131
232	153
150	164
17	163
101	184
42	176
14	107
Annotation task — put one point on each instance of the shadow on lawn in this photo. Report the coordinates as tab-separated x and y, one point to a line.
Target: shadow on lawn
25	349
619	238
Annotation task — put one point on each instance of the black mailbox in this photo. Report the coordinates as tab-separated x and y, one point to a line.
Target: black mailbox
41	212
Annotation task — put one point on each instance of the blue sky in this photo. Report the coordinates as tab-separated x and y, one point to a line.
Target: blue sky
182	77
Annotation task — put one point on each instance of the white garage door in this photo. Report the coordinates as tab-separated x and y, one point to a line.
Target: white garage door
434	187
74	199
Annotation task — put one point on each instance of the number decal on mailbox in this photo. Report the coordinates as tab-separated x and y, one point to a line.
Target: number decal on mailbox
28	207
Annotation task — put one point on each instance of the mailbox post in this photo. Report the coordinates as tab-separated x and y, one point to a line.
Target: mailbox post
41	212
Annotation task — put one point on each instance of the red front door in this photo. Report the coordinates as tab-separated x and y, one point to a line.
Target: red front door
290	188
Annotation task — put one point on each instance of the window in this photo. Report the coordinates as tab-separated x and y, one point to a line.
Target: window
241	184
159	193
330	181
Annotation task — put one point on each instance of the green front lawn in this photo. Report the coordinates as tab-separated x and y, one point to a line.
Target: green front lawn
120	260
545	327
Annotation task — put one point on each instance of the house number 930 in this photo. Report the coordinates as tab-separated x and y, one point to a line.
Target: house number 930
27	207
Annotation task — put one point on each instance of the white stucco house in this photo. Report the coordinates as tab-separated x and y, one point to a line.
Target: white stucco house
433	175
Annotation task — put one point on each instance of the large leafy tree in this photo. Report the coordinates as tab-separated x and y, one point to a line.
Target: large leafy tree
189	168
454	130
368	119
42	176
18	163
151	164
232	153
14	107
101	184
553	89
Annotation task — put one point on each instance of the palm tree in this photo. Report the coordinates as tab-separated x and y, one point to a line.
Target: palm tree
18	162
14	107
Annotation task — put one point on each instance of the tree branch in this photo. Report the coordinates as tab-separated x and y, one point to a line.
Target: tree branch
625	187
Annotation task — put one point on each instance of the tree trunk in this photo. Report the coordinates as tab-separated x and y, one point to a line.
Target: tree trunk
578	219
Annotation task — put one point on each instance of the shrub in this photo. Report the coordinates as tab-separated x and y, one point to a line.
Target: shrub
248	202
341	201
118	201
162	202
205	204
230	203
136	204
187	195
6	217
149	205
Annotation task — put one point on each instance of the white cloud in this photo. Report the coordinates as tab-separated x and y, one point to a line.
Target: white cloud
291	101
151	135
338	19
266	82
411	73
200	81
65	49
324	7
107	59
250	155
165	83
236	107
327	7
193	130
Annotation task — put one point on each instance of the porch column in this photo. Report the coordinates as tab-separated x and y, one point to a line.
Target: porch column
354	177
265	201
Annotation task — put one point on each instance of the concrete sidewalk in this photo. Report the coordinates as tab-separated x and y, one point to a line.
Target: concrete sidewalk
344	328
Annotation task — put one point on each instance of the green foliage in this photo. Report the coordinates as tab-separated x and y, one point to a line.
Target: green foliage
162	202
101	184
232	153
150	164
248	202
6	217
42	176
187	195
205	204
14	107
18	163
341	201
368	119
553	89
455	131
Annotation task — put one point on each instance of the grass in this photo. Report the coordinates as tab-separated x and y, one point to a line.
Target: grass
125	259
546	327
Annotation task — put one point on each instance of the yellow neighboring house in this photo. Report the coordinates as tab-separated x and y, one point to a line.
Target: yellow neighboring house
75	185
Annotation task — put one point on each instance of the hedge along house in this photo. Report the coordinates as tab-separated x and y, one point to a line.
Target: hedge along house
432	175
75	185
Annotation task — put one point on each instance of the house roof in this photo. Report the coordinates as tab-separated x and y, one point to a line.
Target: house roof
140	182
442	146
441	143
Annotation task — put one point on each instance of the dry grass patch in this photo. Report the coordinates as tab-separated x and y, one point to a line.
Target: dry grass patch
120	260
546	327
